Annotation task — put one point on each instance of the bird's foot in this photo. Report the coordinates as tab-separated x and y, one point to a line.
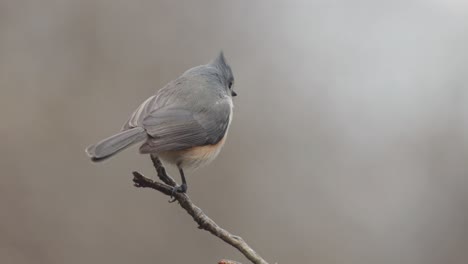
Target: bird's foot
178	189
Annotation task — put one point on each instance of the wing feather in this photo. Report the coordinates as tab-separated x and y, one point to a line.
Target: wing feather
178	128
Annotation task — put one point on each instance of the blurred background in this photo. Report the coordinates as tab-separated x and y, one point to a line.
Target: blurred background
349	142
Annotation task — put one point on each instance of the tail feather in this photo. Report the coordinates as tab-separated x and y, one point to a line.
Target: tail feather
114	144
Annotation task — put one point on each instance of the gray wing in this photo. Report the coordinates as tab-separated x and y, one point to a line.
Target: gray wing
140	113
178	128
179	89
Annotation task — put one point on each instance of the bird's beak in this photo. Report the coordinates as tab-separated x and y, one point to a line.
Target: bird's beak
233	93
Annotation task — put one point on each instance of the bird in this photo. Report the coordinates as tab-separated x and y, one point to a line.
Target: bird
185	123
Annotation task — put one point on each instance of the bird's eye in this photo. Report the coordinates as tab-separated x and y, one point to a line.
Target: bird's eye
230	85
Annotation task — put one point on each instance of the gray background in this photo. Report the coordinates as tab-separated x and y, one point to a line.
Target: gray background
349	142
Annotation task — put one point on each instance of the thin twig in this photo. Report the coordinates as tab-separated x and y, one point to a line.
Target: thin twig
203	221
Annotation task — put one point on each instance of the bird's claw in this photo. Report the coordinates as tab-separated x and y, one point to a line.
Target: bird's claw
177	189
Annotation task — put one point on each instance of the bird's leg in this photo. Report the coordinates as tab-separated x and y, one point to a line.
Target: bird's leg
181	188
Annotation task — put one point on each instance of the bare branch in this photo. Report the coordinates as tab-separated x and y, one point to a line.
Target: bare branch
203	221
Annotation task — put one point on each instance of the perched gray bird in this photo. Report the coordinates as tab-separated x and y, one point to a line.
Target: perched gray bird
185	123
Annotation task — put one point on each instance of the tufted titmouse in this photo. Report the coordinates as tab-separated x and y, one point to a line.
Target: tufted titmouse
185	123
